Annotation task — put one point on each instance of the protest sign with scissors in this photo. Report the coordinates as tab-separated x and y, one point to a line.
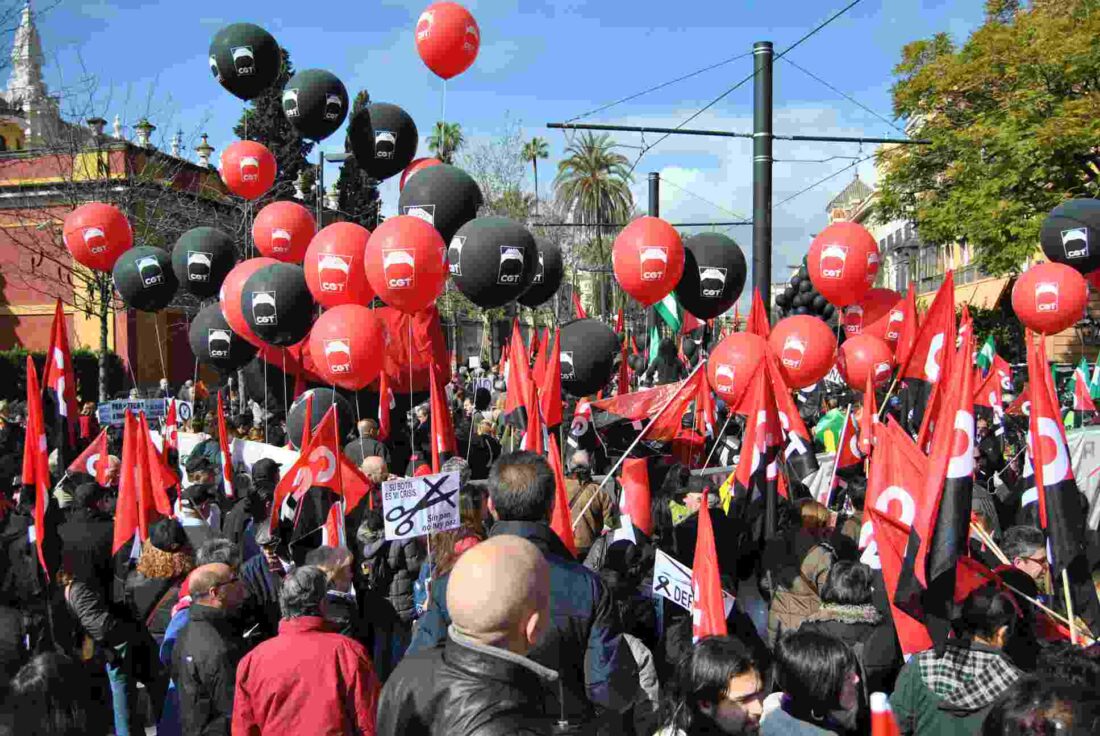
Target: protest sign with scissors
415	506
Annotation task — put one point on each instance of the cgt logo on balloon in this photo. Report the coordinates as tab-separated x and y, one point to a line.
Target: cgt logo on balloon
894	323
882	372
385	144
424	25
853	319
472	38
338	355
1076	242
250	168
654	261
218	342
214	69
399	267
872	267
243	61
833	259
263	308
290	102
1046	296
510	271
794	350
568	372
150	271
95	240
724	378
425	212
334	106
454	255
332	272
712	281
540	272
280	240
199	265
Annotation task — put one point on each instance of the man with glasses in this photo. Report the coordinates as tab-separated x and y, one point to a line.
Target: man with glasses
204	661
1025	547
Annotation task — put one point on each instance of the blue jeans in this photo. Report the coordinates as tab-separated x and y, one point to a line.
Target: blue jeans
123	689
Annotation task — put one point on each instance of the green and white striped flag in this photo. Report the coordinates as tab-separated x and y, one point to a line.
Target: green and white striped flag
986	355
671	312
1094	380
1082	373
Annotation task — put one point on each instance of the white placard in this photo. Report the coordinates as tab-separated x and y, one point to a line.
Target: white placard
416	506
673	581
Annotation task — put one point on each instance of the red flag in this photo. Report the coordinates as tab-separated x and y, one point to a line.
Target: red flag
966	323
891	538
518	379
560	520
690	323
156	478
59	378
758	323
668	422
539	370
1004	370
883	722
799	449
868	416
36	471
847	452
736	318
705	412
223	445
708	614
307	425
385	406
126	507
907	335
619	321
624	372
636	500
93	460
550	388
171	439
534	438
762	432
989	393
1082	401
578	308
633	346
932	352
334	534
443	432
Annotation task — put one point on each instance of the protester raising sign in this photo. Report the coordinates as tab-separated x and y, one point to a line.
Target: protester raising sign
415	506
672	580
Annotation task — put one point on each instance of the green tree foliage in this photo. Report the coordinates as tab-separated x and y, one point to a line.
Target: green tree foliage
1002	324
533	150
263	121
358	192
445	140
1013	121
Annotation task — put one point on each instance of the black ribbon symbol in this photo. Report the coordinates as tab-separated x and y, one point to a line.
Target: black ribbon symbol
662	585
433	497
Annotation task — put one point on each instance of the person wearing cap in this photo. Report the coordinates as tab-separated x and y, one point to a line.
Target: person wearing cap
726	530
88	537
252	507
590	506
196	511
263	577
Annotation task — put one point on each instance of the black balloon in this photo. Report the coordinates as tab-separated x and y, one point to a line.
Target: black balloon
277	304
829	311
215	344
316	103
800	310
805	285
201	258
783	300
1071	234
383	138
444	196
323	399
144	278
492	260
588	351
245	59
714	275
819	303
548	275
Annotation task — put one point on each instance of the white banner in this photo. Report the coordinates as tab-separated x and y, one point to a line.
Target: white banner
416	506
672	580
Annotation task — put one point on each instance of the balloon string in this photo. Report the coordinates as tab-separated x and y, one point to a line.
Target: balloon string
160	355
286	401
264	357
412	414
443	113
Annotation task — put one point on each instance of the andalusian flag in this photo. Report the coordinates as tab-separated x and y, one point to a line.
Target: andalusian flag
1094	382
1080	373
986	355
672	314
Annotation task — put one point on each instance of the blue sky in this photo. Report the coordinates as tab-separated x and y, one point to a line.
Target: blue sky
540	61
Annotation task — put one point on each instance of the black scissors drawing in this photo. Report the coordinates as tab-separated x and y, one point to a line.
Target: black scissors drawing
433	497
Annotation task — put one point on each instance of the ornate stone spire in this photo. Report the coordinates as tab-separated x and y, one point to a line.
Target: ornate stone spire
25	83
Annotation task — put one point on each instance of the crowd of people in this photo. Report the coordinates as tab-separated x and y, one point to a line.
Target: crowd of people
224	622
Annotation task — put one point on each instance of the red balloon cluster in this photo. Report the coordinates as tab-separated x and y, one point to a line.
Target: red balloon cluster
874	314
231	293
283	231
806	349
648	259
96	234
843	262
732	364
447	39
1050	297
406	263
415	166
862	355
248	169
345	344
334	265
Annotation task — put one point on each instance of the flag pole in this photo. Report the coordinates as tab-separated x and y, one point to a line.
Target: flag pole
718	438
611	473
836	455
1069	607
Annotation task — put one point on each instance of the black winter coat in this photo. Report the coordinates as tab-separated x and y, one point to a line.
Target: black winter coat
150	601
368	618
394	568
868	636
204	668
584	642
465	688
262	606
86	539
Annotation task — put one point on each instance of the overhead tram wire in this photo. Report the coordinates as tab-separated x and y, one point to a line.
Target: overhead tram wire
745	219
817	183
846	96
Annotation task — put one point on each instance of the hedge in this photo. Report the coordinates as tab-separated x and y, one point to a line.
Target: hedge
13	373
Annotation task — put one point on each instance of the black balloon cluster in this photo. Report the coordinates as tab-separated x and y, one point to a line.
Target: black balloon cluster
800	297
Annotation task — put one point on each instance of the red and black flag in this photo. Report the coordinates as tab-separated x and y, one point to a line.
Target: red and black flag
708	612
60	382
760	442
905	335
929	360
550	387
518	380
36	469
443	431
798	453
223	446
93	461
560	520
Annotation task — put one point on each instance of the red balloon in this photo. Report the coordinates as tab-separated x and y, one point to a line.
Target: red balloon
806	348
282	231
843	262
334	267
96	234
406	263
230	297
248	168
648	258
415	166
874	314
346	346
861	355
1093	279
447	39
1050	297
732	364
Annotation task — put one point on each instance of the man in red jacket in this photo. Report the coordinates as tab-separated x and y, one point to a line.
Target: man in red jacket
308	679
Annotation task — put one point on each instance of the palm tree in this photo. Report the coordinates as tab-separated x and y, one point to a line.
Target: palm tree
593	183
533	150
445	141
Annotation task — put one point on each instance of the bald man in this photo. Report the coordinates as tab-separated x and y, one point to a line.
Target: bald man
205	657
499	598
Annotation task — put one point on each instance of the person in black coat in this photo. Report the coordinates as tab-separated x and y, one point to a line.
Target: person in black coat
205	658
481	680
88	537
263	577
367	444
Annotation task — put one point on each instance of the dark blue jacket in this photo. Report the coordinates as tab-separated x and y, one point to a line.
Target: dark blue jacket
584	643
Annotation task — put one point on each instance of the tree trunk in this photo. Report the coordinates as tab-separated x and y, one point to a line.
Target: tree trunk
535	163
104	327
